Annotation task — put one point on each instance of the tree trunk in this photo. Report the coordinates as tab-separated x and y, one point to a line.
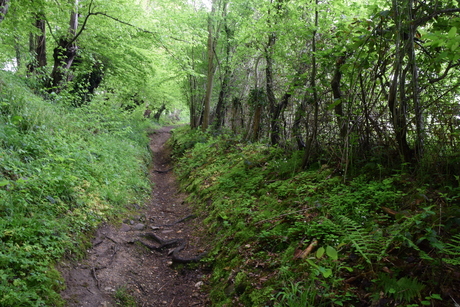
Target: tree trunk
296	131
274	125
210	75
224	88
4	5
37	46
419	120
157	114
311	141
335	84
64	54
398	106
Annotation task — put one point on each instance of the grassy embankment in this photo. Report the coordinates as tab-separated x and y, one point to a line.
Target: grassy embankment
62	171
284	237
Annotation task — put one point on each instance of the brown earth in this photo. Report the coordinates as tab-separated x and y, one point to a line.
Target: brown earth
120	267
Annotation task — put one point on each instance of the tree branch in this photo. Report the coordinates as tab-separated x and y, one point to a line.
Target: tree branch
136	27
446	71
425	19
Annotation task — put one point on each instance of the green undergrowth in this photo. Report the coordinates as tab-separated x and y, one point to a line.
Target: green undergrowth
62	172
284	237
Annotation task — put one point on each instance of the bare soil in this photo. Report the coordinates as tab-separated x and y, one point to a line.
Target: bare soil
119	266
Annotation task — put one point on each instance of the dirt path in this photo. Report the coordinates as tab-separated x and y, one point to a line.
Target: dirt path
120	267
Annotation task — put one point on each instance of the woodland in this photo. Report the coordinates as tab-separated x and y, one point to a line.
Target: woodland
319	141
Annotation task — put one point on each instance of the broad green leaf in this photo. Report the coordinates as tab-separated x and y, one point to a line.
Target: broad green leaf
320	252
331	252
452	32
16	119
310	262
326	272
335	103
348	269
4	182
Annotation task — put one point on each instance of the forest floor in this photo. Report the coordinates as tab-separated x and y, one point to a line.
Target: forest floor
119	270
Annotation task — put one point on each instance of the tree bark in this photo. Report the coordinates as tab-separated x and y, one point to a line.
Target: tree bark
37	46
4	5
335	85
224	88
157	114
210	74
398	106
274	125
64	54
311	141
419	119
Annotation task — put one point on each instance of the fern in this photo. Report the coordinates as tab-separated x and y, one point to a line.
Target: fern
404	289
453	249
364	242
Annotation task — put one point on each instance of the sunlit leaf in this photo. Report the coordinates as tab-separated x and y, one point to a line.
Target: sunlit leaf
320	252
331	252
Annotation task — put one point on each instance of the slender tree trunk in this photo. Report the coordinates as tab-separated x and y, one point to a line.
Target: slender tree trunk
210	75
274	125
419	121
335	84
311	142
296	131
224	88
4	5
398	106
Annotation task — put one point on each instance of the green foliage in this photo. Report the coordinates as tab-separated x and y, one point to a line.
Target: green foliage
296	294
264	217
404	289
452	249
62	171
123	298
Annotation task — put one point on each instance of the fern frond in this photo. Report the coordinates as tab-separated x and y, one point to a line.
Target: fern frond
453	249
404	289
364	243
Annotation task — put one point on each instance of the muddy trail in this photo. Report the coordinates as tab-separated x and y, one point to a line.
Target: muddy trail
134	260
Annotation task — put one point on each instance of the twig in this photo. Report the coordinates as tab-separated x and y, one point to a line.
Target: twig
308	250
111	239
162	286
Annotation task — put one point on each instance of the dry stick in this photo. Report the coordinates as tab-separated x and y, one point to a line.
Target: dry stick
162	287
278	216
111	239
